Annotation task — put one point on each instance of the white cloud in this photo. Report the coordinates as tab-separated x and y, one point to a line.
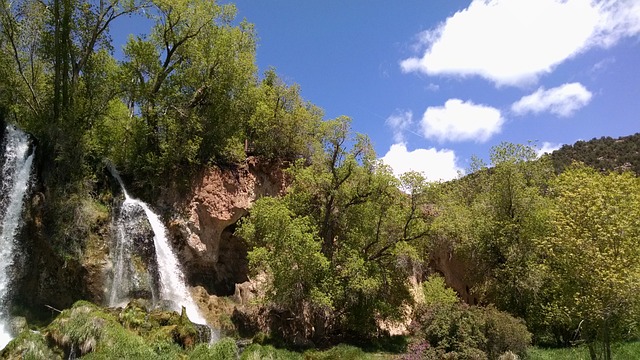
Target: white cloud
548	148
563	100
399	122
515	42
460	121
433	87
436	165
602	66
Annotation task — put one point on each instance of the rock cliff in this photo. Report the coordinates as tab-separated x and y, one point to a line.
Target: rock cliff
204	221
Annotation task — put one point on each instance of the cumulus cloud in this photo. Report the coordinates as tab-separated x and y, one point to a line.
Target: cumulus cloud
563	100
515	42
548	148
399	122
436	165
458	120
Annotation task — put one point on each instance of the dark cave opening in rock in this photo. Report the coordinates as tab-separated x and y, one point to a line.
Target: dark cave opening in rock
231	268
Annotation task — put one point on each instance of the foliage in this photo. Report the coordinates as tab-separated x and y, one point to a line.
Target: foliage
592	254
496	216
223	349
342	351
282	124
436	293
259	352
94	333
29	345
604	154
622	351
338	247
461	331
289	251
76	219
187	93
85	329
505	333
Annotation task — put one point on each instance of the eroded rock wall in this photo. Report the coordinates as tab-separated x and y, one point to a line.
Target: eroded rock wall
203	231
455	269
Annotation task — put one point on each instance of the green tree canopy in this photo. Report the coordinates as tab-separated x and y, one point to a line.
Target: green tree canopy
363	231
592	255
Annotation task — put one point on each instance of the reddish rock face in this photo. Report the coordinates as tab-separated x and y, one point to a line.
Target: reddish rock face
456	270
212	256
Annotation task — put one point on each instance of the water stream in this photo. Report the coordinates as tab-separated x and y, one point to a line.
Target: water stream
16	172
171	276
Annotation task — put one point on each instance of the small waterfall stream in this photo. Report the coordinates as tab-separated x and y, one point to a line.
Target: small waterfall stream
16	172
130	279
171	276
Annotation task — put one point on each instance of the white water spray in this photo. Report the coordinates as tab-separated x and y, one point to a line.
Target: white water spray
172	280
126	277
15	181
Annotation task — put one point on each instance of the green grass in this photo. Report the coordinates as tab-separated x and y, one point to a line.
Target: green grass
340	352
623	351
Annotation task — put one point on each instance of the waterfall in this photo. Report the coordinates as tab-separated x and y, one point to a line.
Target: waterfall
15	181
130	278
171	276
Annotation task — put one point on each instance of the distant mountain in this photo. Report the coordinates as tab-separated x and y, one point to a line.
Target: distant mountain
604	154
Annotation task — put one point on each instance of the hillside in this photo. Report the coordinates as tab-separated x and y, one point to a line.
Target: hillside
605	153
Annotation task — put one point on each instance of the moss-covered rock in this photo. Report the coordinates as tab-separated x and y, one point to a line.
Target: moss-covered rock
87	330
30	345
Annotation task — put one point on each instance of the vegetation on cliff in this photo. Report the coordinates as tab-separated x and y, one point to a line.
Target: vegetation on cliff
339	247
184	96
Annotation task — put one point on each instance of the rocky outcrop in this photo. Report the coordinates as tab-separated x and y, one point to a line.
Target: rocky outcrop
455	270
211	255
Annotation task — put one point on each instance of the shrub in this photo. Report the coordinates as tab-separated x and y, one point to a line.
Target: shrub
436	293
468	332
505	333
344	352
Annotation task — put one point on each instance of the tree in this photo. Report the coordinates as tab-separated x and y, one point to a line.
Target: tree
287	249
493	218
282	125
189	87
592	255
510	216
25	72
62	72
357	222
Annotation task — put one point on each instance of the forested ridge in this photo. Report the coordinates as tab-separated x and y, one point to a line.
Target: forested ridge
605	153
548	246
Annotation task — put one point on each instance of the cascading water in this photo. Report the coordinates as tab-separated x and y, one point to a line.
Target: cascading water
131	278
16	172
171	277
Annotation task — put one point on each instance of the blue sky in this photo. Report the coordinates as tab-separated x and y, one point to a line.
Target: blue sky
434	82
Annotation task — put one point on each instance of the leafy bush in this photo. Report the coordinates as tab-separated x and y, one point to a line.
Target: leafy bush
344	352
505	333
467	332
436	293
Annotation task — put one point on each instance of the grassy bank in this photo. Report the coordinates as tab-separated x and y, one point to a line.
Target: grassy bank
624	351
